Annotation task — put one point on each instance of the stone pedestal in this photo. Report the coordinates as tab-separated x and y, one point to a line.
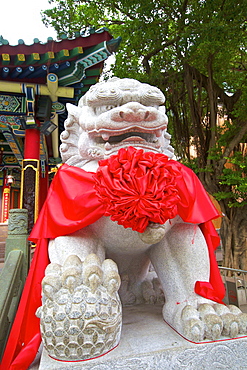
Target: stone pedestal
147	342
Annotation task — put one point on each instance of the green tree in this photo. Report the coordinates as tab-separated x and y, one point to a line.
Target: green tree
195	52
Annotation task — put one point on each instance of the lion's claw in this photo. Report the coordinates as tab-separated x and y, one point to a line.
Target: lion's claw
209	321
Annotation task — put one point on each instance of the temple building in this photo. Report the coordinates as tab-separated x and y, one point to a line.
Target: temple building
36	82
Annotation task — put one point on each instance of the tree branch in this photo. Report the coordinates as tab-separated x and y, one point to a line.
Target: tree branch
113	21
227	100
133	18
147	57
235	141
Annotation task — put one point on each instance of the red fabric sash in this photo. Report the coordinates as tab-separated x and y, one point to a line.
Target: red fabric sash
72	204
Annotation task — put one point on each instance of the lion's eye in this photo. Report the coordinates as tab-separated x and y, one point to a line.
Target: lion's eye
103	109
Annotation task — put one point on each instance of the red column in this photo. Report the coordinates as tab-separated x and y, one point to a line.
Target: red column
30	175
32	144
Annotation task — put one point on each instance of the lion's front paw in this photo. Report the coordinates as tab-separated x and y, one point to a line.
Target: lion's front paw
81	314
208	321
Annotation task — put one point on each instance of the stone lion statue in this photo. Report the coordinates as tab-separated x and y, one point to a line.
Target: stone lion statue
127	225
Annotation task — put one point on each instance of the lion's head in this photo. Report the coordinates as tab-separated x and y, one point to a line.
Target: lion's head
119	113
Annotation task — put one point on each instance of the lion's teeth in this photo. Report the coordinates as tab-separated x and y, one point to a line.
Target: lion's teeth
105	136
108	146
158	133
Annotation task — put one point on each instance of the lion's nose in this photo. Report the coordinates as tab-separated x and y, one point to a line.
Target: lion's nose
133	112
130	115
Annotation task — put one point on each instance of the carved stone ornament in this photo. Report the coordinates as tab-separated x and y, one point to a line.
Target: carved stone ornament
17	222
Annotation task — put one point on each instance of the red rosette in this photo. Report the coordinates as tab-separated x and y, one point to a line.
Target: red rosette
138	187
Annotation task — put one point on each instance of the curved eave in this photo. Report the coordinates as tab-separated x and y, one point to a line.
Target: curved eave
89	40
68	64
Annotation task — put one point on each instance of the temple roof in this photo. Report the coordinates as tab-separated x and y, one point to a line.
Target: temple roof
77	62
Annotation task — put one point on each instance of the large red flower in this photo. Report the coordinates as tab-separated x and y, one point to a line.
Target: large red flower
138	187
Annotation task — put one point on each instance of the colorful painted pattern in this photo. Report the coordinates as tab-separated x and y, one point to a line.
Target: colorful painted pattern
12	104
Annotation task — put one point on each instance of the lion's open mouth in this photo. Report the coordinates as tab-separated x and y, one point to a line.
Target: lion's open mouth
134	138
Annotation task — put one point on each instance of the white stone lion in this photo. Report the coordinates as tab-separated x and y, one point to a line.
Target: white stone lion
82	281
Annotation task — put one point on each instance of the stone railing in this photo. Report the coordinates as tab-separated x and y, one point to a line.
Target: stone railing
236	286
14	272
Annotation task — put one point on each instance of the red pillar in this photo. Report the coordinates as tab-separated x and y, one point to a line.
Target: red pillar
32	144
30	175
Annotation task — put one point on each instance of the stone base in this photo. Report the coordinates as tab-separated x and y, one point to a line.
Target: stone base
147	342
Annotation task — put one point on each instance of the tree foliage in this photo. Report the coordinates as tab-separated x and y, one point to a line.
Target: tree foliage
195	52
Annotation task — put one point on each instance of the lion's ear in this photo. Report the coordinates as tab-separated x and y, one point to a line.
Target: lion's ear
70	137
73	110
83	100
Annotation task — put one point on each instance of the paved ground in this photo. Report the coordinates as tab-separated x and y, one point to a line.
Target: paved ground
147	342
243	308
